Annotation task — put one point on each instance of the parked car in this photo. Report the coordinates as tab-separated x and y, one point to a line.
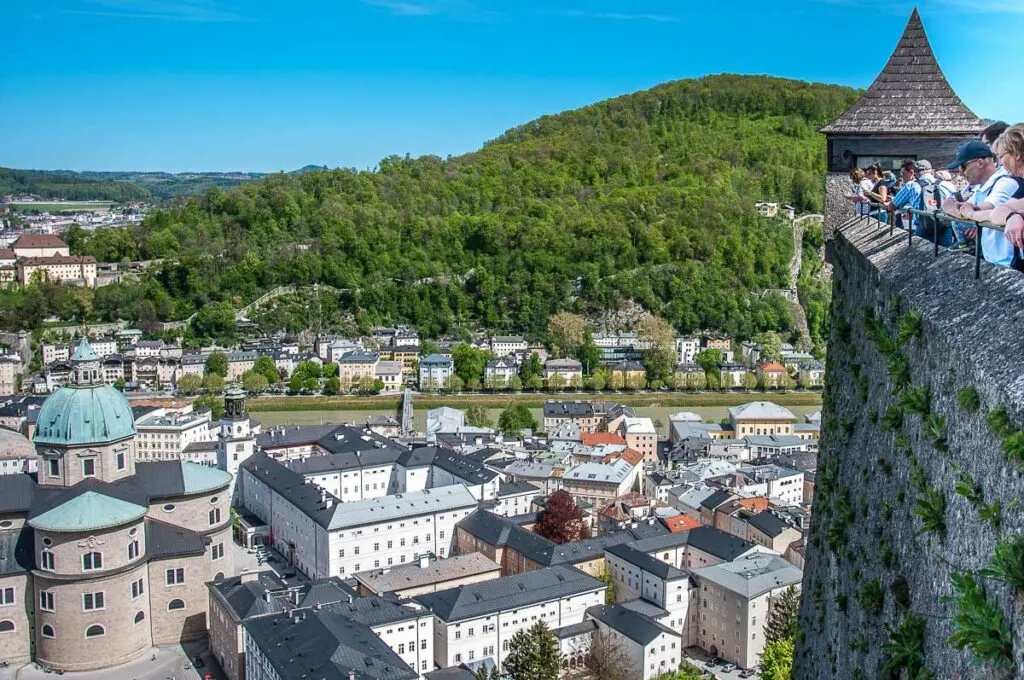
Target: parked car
728	668
749	673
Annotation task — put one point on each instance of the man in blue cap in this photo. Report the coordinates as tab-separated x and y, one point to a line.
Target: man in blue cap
992	186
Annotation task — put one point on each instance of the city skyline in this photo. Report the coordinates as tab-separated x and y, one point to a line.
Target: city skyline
211	85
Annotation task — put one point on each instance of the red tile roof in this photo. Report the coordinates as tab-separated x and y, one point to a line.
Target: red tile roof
756	503
632	457
772	367
681	523
39	241
597	438
7	254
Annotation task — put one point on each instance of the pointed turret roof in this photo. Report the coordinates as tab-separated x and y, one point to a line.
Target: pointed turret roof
910	95
85	352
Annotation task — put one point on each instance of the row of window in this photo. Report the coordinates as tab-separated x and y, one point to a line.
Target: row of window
92	560
88	465
390	544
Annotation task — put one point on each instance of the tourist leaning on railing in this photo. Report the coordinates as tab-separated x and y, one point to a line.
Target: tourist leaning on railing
1009	151
993	186
861	188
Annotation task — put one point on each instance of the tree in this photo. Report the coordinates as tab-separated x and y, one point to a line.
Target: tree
476	415
787	381
454	383
589	355
750	380
254	383
777	660
531	368
533	655
329	370
709	360
660	359
516	418
561	521
211	402
213	383
599	380
771	347
535	382
470	362
217	363
190	384
607	660
515	383
782	619
485	673
266	367
567	332
611	591
697	381
556	382
332	385
215	322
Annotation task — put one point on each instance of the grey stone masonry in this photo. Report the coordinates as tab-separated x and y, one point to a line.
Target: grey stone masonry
871	561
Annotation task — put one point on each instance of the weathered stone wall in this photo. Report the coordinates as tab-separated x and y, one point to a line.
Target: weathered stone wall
872	563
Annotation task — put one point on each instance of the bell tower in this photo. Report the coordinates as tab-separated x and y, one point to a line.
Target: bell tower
237	438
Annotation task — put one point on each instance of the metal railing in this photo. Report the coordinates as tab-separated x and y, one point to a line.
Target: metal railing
893	219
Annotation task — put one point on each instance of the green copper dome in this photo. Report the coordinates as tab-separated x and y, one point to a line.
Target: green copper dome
86	414
91	511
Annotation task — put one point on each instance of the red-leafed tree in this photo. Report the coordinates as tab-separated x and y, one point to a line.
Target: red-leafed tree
561	520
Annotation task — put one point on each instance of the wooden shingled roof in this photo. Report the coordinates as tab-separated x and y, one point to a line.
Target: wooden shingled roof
910	95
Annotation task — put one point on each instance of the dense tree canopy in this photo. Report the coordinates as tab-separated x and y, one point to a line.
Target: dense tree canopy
649	197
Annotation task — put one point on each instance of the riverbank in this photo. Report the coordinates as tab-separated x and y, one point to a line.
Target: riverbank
678	400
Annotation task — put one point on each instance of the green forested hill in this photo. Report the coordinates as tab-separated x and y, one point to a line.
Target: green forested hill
647	196
69	186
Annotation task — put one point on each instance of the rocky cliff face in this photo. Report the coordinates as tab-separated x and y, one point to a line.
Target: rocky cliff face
920	477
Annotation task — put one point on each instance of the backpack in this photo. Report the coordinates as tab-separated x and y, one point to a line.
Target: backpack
930	200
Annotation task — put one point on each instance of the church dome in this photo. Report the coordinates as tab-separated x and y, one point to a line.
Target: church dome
87	412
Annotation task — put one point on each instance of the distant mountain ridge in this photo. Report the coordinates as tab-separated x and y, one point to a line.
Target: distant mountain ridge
117	186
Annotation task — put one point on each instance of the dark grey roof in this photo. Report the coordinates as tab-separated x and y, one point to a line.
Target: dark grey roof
486	454
451	673
161	478
525	518
140	411
633	625
715	499
292	486
646	608
466	469
910	95
376	610
421	456
17	492
514	488
767	523
280	437
325	645
347	460
196	447
647	529
246	600
164	541
16	550
581	628
510	592
568	409
645	562
347	439
716	542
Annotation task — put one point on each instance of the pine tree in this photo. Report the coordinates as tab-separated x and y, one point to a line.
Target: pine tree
781	623
533	655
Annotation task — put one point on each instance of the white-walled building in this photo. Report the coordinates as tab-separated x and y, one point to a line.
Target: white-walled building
503	345
323	537
164	434
478	621
648	648
687	349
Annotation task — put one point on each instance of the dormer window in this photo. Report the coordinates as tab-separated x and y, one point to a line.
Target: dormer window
88	467
54	467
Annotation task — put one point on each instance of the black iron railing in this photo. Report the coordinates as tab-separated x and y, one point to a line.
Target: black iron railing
892	218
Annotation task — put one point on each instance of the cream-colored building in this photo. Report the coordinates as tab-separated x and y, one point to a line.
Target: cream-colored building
428	576
355	366
79	269
39	245
119	551
389	373
641	435
761	418
735	599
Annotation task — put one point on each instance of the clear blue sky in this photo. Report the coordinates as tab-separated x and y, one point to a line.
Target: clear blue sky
267	85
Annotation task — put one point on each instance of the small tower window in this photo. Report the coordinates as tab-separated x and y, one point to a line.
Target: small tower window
88	467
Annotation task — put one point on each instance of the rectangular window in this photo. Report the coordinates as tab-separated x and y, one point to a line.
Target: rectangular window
120	461
92	561
6	596
214	516
46	560
46	600
92	601
137	589
54	467
217	551
133	550
88	467
175	576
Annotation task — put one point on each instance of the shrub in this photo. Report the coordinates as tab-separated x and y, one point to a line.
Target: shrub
991	513
910	326
1013	447
917	400
931	508
969	489
999	421
978	623
904	650
1007	563
893	418
872	597
899	371
968	399
935	426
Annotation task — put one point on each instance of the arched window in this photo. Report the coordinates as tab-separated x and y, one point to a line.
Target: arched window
92	560
140	617
175	604
6	626
47	631
95	630
219	577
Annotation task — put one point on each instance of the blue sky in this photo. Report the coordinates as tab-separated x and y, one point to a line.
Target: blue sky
267	85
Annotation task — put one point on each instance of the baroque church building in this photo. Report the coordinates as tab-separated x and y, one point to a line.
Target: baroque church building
102	557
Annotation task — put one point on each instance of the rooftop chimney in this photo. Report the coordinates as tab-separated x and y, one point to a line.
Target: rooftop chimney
424	561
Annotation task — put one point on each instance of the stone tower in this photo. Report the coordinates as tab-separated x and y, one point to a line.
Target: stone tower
237	439
909	112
